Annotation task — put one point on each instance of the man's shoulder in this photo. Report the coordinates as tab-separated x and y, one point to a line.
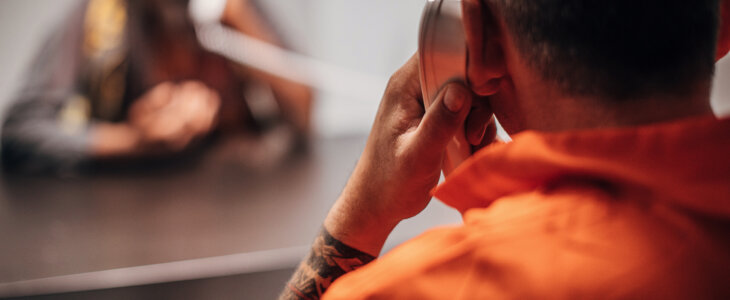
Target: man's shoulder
545	243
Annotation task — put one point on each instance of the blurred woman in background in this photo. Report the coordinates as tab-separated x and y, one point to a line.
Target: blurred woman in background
127	79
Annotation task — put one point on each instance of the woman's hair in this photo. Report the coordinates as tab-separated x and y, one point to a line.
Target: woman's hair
161	18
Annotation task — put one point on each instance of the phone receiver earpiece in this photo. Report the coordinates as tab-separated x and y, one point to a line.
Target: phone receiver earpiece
442	52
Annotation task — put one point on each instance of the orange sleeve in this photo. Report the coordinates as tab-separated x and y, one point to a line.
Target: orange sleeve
418	269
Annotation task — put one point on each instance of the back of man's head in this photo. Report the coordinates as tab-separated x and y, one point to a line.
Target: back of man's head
617	49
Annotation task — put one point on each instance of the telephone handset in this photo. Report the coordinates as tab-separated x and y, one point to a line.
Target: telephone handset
442	53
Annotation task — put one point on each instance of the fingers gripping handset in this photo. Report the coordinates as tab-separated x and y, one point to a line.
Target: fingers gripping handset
442	53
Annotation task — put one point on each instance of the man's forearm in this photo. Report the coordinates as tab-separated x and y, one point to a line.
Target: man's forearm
352	235
328	260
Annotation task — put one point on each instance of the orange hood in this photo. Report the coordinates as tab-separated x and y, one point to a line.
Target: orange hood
686	162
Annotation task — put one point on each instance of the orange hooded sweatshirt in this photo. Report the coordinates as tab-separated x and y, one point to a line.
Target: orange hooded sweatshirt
634	213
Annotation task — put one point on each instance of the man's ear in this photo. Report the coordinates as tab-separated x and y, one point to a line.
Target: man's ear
723	41
485	62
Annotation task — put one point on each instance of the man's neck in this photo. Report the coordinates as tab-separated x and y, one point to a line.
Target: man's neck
580	113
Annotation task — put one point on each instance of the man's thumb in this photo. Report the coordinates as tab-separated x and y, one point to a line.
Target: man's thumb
445	115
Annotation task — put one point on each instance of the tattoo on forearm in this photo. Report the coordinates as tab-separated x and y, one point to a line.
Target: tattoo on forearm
328	260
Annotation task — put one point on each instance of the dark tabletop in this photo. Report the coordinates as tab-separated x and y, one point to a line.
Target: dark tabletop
62	226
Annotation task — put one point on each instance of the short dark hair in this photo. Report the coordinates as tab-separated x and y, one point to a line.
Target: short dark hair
617	49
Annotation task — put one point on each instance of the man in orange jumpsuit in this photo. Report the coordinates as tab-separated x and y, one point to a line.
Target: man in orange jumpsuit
616	184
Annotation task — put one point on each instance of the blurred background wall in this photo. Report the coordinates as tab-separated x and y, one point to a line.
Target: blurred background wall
23	27
373	37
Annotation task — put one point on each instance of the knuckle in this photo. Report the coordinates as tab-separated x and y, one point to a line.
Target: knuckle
395	82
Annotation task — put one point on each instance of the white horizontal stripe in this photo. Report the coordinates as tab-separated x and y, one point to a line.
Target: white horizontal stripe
206	11
252	52
234	264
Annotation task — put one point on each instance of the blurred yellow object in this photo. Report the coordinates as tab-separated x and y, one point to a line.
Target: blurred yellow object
104	46
74	116
104	26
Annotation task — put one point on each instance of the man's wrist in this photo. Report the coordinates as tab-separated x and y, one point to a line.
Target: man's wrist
352	221
328	260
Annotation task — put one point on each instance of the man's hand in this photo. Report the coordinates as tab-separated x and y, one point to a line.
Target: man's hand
402	160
